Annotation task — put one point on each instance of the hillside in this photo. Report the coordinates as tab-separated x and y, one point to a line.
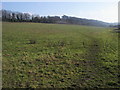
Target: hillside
37	55
26	17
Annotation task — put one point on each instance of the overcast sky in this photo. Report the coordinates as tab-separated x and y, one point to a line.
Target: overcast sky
104	11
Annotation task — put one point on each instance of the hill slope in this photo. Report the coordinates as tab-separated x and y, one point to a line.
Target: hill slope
26	17
59	56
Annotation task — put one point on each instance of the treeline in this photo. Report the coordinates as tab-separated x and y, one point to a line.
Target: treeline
26	17
11	16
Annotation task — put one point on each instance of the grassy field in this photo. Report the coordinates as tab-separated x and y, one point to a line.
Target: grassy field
59	56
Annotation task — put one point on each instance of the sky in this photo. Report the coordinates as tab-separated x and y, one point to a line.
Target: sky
103	11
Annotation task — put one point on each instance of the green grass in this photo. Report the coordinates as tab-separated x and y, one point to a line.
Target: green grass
59	56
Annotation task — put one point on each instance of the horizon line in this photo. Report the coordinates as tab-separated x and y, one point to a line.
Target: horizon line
61	16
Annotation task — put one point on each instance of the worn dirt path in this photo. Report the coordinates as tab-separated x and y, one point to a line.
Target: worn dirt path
91	64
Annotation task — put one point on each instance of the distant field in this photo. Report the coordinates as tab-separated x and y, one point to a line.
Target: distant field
59	56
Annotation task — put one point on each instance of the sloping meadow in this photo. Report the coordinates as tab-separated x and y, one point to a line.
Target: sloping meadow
39	55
